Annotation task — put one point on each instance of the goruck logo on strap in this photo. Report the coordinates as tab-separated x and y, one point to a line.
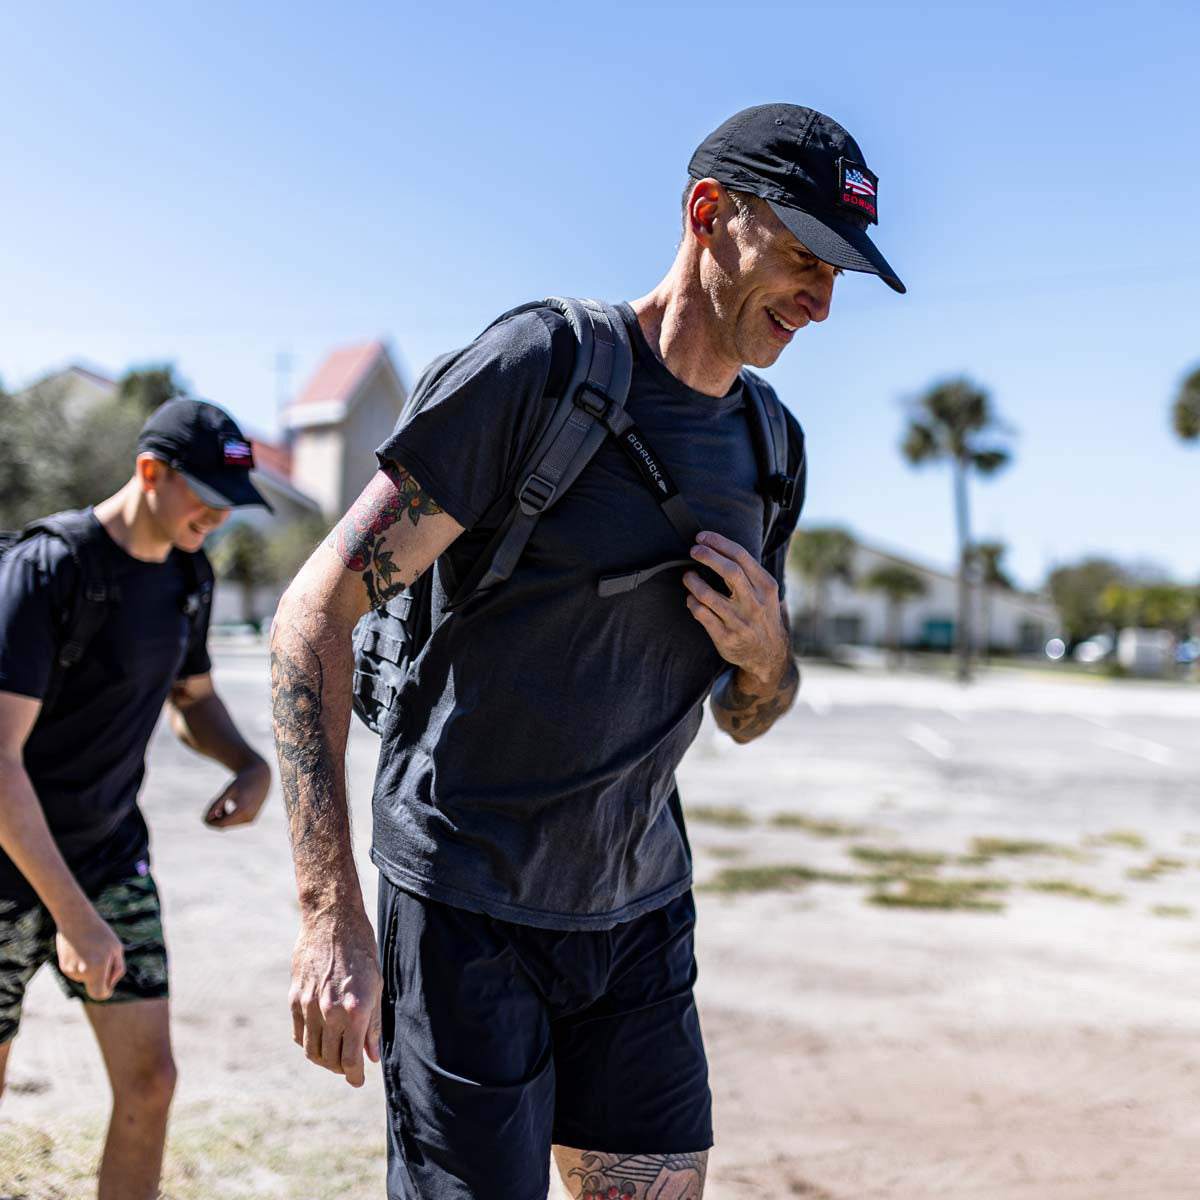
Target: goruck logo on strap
857	188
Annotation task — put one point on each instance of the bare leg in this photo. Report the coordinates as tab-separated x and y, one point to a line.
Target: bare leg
4	1049
588	1175
135	1041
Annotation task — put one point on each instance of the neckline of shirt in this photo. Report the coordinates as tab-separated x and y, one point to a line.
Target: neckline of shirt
112	543
672	383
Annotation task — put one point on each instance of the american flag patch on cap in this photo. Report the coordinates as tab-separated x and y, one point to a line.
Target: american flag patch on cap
857	188
237	453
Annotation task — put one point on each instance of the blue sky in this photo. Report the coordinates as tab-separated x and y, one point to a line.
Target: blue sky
215	184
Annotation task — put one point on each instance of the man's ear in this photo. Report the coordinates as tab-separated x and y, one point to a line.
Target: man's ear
704	207
149	472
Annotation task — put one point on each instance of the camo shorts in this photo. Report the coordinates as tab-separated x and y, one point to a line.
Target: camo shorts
131	908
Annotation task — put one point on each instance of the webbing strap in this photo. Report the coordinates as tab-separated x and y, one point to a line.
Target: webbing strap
384	645
614	585
374	688
768	429
602	370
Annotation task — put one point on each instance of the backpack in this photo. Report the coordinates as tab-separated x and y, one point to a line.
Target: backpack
88	609
589	406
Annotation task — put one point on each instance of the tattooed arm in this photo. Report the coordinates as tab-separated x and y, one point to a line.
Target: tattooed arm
391	534
750	631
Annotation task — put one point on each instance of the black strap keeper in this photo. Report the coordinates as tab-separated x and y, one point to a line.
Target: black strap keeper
782	489
536	493
592	400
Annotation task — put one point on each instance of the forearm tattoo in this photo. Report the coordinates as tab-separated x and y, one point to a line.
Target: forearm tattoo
745	714
638	1176
358	536
307	774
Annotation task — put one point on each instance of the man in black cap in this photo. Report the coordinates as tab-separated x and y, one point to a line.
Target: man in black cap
535	912
103	618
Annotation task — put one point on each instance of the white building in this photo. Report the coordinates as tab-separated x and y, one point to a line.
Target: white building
1007	621
347	409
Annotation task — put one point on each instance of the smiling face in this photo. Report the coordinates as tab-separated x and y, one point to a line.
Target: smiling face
762	283
181	516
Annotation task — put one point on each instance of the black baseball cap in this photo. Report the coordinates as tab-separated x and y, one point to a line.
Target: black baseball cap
203	443
812	174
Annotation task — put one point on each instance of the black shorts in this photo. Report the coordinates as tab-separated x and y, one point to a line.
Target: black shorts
501	1039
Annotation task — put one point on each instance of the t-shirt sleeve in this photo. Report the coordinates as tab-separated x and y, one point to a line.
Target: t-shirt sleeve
775	551
464	435
196	660
37	580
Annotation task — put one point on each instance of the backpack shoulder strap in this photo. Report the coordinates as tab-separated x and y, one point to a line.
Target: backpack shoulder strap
94	597
769	433
198	573
596	390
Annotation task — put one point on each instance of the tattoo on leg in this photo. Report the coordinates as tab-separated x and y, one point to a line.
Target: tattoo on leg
305	765
358	536
639	1176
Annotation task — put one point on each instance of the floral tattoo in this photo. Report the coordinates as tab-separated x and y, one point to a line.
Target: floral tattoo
639	1177
358	536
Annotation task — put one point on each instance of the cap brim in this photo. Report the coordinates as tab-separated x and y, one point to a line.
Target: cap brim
839	243
227	491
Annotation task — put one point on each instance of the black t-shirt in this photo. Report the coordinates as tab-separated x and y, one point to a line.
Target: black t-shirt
86	755
527	770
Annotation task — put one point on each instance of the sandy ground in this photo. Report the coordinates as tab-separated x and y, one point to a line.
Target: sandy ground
1045	1048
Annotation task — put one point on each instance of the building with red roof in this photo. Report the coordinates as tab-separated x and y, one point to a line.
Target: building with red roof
346	409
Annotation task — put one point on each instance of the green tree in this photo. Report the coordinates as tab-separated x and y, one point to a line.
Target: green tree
899	585
1076	590
143	389
1185	412
819	556
290	544
954	422
1159	605
54	457
240	556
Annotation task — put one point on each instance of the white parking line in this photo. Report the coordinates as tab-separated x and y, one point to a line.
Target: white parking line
930	741
1128	743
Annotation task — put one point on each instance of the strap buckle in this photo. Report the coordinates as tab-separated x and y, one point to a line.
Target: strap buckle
595	404
782	489
535	494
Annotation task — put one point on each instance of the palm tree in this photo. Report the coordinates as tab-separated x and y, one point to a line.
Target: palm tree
986	557
820	556
1185	414
899	585
954	421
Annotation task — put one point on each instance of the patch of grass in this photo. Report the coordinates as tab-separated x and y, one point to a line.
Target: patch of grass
1079	891
813	825
1171	910
899	859
239	1155
1118	837
774	878
1156	867
731	816
993	847
724	852
942	894
973	860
